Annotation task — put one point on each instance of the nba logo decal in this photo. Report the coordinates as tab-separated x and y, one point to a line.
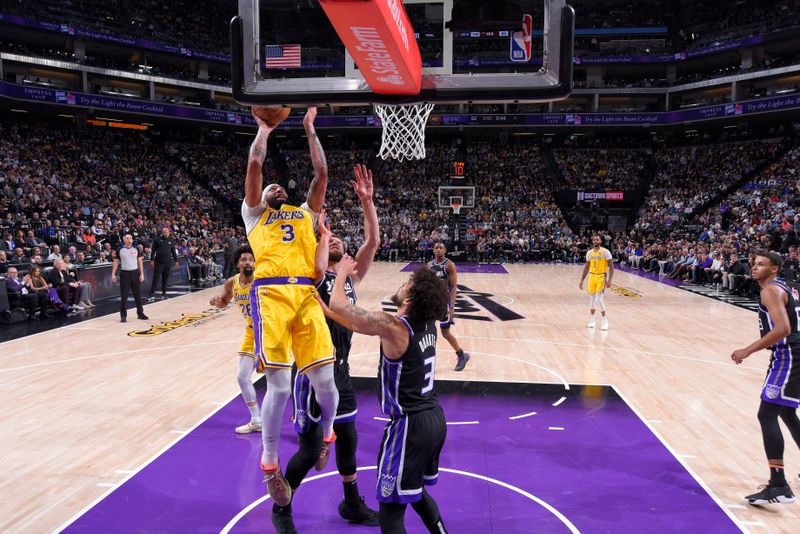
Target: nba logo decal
521	41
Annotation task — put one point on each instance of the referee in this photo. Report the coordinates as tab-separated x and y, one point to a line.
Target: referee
130	278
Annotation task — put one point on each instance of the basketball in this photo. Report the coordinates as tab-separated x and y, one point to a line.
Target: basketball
272	115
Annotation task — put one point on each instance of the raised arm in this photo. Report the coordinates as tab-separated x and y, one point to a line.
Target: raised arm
372	235
254	180
323	249
319	185
391	330
220	301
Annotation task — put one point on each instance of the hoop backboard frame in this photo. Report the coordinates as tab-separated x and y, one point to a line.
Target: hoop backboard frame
552	82
447	193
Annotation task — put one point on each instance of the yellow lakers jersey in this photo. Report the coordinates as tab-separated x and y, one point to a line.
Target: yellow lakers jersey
241	297
284	243
598	261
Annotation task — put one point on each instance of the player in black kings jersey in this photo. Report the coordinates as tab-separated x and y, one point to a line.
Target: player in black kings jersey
446	271
778	318
413	438
307	414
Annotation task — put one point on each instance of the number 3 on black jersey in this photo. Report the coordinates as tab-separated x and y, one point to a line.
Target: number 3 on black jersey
288	233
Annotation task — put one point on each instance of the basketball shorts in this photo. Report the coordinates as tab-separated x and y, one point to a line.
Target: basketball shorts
409	455
247	348
782	385
306	411
447	321
597	283
289	325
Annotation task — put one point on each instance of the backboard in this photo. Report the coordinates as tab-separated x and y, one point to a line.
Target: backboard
287	53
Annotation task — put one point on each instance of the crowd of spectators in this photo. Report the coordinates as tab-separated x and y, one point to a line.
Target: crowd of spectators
689	177
601	169
198	24
514	218
71	194
718	249
68	195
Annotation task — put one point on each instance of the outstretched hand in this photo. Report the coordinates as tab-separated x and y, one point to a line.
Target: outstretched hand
346	266
362	185
324	226
261	123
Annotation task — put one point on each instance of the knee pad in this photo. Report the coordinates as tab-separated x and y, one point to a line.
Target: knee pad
321	378
593	301
246	365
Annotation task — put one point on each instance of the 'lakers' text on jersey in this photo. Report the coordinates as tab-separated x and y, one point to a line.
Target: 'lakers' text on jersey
598	260
782	385
241	298
283	242
405	385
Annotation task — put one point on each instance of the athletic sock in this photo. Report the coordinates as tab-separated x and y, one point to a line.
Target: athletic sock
776	476
282	509
351	495
460	352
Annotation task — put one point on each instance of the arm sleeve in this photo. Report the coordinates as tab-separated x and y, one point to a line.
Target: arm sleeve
251	216
587	254
607	254
314	214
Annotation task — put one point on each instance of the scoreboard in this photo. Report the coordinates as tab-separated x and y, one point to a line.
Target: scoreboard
457	171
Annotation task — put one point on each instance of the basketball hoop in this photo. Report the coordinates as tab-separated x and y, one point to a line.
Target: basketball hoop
456	203
403	130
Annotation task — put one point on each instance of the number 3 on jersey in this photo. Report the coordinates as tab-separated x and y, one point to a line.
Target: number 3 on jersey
430	363
288	233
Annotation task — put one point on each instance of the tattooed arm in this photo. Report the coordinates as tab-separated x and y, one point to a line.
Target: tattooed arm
254	180
319	185
393	333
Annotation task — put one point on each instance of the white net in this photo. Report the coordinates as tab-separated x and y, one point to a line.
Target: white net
403	130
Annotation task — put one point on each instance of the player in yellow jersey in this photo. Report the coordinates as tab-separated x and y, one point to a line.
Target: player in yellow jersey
600	267
288	322
237	288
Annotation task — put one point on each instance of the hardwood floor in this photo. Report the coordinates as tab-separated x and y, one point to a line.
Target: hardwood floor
84	405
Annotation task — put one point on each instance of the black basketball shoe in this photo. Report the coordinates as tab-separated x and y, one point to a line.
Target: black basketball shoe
360	514
282	520
772	495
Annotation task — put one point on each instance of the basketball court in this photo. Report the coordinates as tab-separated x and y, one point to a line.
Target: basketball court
552	426
646	427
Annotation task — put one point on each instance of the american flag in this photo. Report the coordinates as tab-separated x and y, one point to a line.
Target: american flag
283	56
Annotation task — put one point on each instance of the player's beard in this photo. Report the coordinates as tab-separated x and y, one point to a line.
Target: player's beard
247	271
396	300
275	203
334	256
